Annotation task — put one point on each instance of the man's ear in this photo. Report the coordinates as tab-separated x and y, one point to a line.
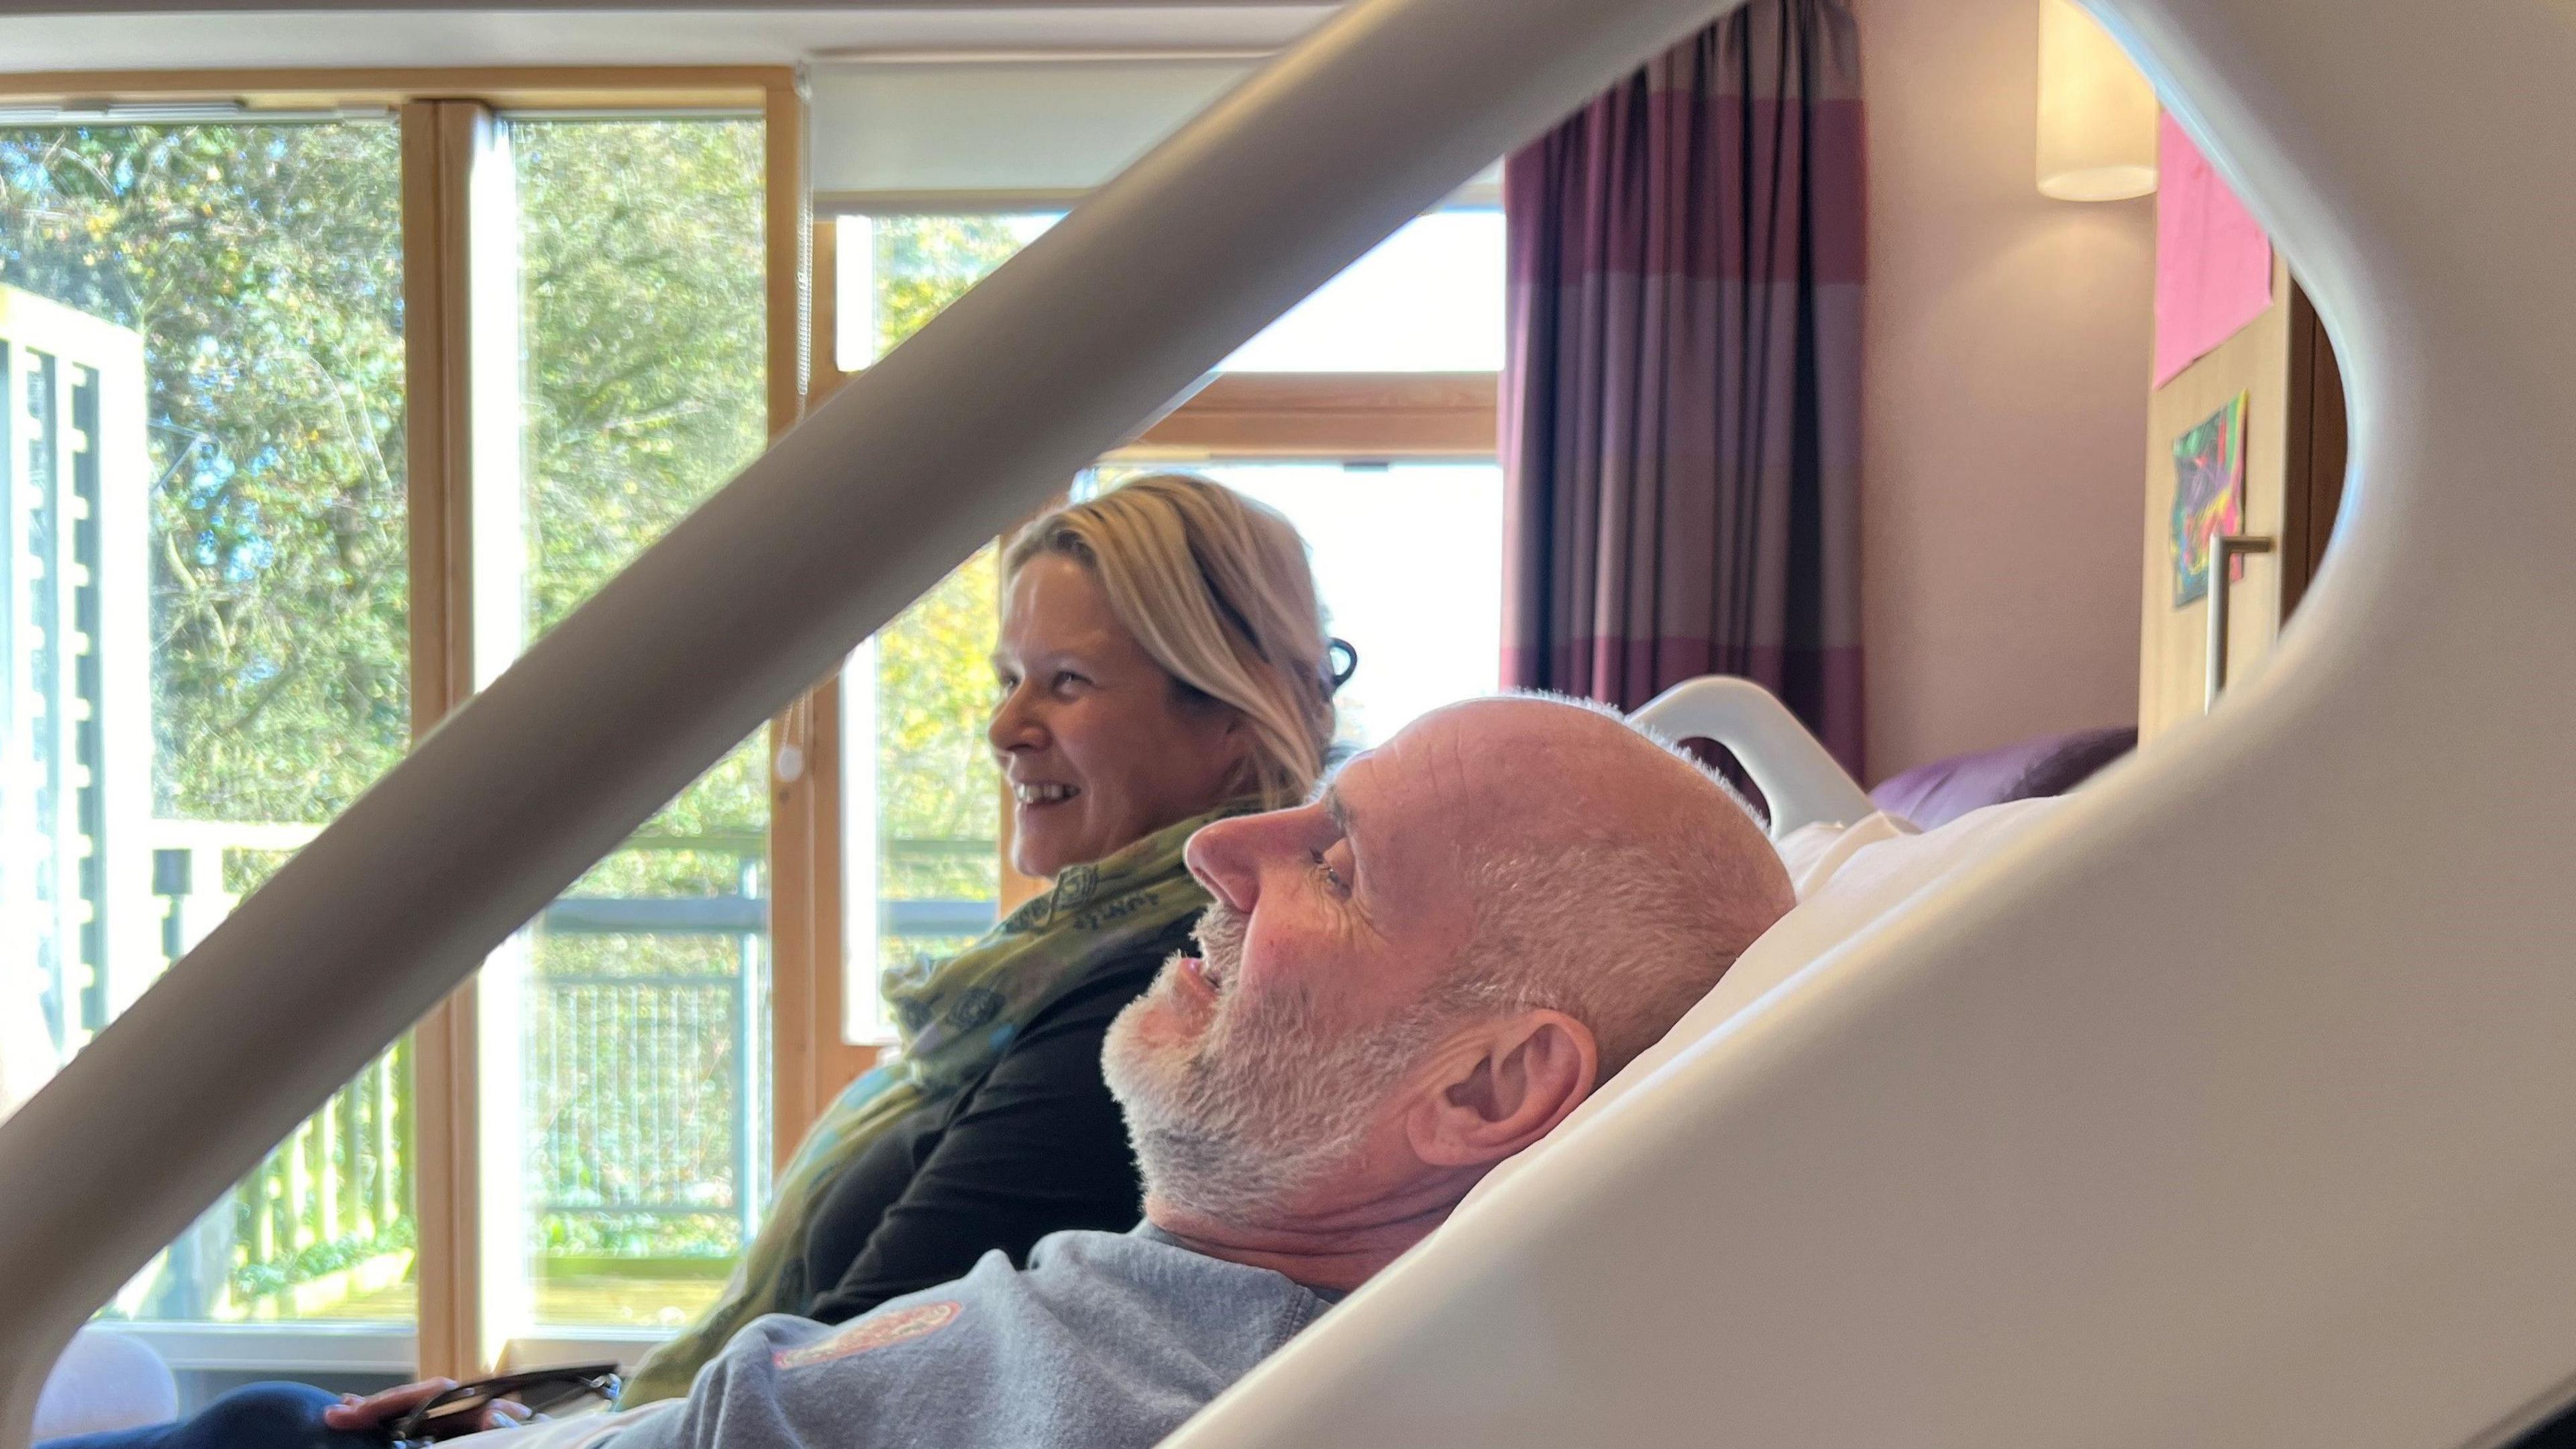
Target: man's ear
1500	1086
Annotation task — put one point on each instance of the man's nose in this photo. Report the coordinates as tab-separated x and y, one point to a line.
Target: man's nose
1224	857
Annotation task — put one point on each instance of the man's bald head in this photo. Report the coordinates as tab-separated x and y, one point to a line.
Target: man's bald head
1614	878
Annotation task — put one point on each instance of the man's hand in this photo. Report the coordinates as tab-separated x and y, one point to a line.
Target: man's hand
379	1411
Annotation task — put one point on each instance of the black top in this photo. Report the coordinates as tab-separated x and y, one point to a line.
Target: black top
1033	1146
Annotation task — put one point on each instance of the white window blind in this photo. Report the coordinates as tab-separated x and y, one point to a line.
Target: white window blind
1037	129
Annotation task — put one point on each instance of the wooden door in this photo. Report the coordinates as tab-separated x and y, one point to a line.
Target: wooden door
2294	460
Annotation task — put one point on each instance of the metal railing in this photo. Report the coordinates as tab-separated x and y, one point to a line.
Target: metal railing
628	1140
903	473
326	1213
636	1006
630	1154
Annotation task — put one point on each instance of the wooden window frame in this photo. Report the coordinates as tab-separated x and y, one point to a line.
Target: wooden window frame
445	116
1378	416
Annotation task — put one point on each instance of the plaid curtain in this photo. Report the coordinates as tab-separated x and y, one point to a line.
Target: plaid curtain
1681	397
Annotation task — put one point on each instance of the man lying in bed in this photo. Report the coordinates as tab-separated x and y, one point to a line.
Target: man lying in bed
1399	986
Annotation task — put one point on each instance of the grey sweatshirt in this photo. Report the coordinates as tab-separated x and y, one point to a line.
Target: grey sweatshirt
1104	1340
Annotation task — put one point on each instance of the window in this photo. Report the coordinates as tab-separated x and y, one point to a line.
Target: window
897	272
203	546
641	997
915	766
277	493
921	854
1427	299
1409	560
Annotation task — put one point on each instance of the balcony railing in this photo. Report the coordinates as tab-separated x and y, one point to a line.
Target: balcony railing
645	1078
635	1007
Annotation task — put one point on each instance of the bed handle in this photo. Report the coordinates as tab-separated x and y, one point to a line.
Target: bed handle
1802	782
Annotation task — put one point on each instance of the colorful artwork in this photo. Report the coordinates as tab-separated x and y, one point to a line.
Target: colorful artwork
2209	497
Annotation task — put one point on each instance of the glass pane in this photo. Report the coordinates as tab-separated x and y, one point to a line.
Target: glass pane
1427	621
203	599
1428	299
926	880
641	996
896	272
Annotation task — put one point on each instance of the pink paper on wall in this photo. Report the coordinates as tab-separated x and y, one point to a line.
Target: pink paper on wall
2213	264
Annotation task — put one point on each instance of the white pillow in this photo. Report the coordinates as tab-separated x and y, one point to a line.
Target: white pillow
1848	878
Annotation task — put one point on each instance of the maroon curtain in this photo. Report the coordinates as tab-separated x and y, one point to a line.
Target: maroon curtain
1681	395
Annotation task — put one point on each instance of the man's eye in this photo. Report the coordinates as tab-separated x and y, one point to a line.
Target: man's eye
1067	679
1331	876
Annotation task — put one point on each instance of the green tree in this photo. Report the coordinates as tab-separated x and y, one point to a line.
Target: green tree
263	266
923	263
642	268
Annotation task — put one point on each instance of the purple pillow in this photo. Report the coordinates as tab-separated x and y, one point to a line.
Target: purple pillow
1935	794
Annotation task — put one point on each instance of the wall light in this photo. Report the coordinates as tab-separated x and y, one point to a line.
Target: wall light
2097	114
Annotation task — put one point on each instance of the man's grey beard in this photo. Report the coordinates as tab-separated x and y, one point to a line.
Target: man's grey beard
1268	1101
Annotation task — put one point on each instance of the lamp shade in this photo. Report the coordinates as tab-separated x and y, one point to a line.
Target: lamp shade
2097	114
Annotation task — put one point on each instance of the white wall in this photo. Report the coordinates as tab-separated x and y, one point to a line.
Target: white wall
2006	353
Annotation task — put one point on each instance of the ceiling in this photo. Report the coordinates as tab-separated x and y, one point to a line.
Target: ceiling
171	34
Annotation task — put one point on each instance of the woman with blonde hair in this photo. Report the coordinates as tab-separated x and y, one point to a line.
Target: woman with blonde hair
1162	663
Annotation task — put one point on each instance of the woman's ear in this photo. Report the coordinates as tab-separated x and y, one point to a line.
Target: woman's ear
1501	1086
1240	744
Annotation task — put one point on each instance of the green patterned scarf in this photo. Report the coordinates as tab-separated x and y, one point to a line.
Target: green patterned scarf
954	1019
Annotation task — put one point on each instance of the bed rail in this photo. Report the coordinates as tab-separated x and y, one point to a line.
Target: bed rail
1801	782
904	472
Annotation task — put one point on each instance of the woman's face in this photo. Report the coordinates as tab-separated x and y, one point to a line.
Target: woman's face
1092	735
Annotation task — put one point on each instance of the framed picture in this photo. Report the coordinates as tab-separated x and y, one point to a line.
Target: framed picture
2209	497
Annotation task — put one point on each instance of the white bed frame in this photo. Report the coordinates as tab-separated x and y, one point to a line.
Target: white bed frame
2236	1107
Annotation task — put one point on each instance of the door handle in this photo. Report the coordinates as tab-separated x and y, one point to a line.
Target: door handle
2222	562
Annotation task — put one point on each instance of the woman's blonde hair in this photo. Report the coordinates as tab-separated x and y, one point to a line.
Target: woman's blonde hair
1217	589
